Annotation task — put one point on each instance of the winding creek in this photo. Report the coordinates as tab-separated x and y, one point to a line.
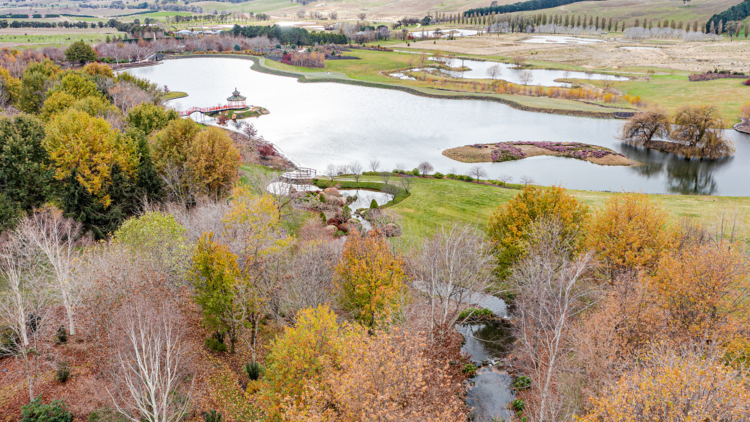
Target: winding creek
316	124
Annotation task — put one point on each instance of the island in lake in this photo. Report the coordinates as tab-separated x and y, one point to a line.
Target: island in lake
517	150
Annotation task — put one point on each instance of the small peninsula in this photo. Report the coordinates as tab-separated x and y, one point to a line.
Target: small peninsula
517	150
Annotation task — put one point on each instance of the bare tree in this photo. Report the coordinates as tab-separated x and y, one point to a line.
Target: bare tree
495	71
478	172
386	176
333	15
310	280
549	294
362	16
301	13
425	168
25	311
519	60
505	178
331	172
152	369
405	182
644	126
356	169
374	164
526	77
453	267
58	240
526	180
400	167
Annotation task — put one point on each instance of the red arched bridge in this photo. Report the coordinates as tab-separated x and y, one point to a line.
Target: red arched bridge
208	110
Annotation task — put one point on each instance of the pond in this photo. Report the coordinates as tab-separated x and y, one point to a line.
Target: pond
511	73
317	124
365	197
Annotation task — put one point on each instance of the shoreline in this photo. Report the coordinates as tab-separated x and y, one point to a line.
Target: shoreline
302	78
482	153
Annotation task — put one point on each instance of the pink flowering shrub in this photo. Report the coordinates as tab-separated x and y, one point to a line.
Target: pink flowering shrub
507	151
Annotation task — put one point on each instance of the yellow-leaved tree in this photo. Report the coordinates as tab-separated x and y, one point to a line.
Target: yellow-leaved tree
253	232
213	161
629	233
87	148
675	385
510	223
300	358
371	279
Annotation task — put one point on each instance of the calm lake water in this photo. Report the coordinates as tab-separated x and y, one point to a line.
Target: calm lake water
317	124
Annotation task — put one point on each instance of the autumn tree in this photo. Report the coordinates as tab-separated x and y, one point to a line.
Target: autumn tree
705	387
56	103
641	129
509	224
216	277
80	52
745	112
213	162
158	237
33	85
700	130
170	145
630	232
149	117
102	69
297	359
77	85
705	292
371	279
87	148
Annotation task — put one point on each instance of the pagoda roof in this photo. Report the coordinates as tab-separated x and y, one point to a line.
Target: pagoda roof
236	96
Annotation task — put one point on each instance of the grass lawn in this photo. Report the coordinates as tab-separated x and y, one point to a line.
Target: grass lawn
673	91
436	202
59	39
171	95
373	62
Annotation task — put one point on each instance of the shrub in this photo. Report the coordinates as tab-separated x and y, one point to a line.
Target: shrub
373	204
216	343
522	383
61	335
36	411
746	83
212	416
415	172
469	179
450	176
438	175
470	370
518	405
253	370
62	373
475	313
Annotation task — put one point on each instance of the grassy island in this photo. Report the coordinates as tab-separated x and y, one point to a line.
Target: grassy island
241	113
510	151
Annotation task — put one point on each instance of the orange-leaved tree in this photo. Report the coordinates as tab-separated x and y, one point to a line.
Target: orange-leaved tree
509	224
705	291
629	233
300	358
391	376
675	385
371	279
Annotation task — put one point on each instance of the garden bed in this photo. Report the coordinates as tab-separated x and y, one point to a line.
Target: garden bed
511	151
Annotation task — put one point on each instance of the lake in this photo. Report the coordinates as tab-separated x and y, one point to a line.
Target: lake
317	124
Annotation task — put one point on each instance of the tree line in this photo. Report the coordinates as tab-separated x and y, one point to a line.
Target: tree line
291	36
735	13
522	6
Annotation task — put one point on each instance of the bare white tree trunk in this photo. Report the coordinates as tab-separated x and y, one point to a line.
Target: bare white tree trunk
549	296
151	368
57	238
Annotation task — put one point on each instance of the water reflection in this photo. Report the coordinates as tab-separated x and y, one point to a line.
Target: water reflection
687	177
486	341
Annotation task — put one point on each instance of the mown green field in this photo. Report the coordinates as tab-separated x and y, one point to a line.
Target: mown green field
674	91
434	203
60	39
